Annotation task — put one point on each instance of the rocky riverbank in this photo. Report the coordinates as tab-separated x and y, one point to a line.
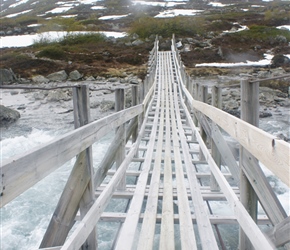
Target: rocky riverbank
58	102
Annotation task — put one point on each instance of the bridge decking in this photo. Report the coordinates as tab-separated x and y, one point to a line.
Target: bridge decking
170	175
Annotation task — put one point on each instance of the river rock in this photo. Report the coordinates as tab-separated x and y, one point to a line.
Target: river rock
75	75
280	60
137	42
8	116
59	76
6	76
39	79
90	78
107	105
58	95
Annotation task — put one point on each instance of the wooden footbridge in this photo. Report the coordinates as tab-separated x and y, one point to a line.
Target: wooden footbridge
170	162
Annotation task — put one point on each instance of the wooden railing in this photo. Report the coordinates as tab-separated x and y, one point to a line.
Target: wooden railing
255	146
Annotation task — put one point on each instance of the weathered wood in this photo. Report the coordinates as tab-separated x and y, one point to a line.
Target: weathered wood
250	114
120	154
264	191
280	233
216	96
167	226
81	102
109	158
187	236
202	96
67	207
253	232
206	233
250	228
272	152
87	224
214	219
147	236
213	130
126	235
21	172
135	102
79	191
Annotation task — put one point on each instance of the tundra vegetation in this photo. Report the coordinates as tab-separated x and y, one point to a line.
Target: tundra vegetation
93	54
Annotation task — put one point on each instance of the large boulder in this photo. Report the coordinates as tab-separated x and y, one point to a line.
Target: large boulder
8	116
6	76
59	76
279	61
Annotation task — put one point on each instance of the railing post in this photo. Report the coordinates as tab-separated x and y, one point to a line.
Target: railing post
250	114
203	92
134	103
216	101
82	117
120	156
196	97
79	189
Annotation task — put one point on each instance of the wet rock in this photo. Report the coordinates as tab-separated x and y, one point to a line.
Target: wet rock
264	114
8	116
234	112
59	76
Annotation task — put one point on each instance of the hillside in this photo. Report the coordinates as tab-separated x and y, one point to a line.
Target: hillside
202	34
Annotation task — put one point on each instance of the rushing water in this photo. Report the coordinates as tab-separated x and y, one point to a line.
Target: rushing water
25	219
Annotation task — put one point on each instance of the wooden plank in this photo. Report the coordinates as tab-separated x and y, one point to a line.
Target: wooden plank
23	171
126	235
68	205
109	158
187	236
146	238
205	229
214	219
167	226
263	189
222	146
271	151
280	233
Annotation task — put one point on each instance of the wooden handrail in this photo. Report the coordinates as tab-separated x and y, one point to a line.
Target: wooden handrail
43	160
